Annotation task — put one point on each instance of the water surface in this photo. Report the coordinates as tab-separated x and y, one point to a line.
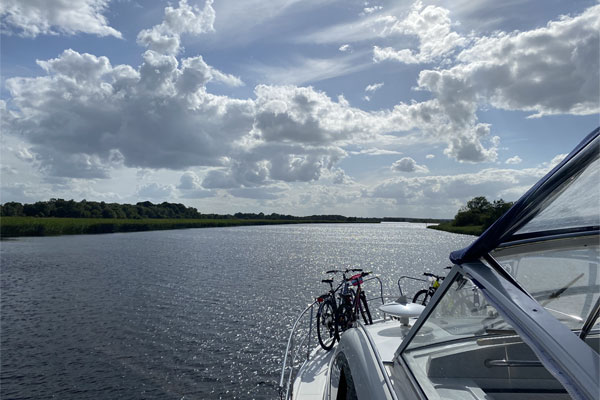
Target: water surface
194	314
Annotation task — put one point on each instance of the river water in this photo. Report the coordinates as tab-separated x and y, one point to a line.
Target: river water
194	314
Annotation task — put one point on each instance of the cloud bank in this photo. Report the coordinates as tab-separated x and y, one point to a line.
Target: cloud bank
31	18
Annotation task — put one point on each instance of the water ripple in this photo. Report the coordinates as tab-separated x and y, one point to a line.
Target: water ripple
194	314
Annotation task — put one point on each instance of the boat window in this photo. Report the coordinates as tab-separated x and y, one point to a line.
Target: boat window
562	275
574	205
466	350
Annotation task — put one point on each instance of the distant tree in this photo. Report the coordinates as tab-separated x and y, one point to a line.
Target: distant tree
12	209
479	211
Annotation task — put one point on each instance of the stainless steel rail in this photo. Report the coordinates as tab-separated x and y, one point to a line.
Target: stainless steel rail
381	296
294	350
408	277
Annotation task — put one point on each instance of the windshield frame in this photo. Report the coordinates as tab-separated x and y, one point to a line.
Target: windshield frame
572	362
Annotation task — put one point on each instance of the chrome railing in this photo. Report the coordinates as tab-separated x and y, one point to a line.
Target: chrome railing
408	277
291	352
381	296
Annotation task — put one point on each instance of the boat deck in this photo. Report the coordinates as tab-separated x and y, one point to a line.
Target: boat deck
312	378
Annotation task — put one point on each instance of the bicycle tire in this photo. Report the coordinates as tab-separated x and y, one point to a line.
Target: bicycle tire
364	309
345	313
421	297
327	331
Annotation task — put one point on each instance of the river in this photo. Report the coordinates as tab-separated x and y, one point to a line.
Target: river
194	314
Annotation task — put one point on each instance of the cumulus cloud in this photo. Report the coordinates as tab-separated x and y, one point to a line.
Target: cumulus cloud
155	191
85	114
431	25
190	187
374	87
31	18
344	48
549	70
266	193
514	160
165	38
407	164
493	183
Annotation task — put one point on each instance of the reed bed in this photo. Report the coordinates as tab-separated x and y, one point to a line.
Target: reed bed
34	226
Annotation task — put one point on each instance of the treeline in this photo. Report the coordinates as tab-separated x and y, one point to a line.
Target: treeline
59	208
475	217
92	209
479	211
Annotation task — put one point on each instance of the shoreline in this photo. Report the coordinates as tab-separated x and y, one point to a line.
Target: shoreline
11	227
473	230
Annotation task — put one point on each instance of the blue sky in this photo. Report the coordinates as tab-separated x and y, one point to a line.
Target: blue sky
359	108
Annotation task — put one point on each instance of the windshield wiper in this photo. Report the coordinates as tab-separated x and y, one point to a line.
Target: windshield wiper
555	295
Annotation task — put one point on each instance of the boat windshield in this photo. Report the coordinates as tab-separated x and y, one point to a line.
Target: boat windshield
562	275
574	205
466	350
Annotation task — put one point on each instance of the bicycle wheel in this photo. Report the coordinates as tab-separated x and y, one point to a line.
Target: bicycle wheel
364	309
421	297
326	325
344	315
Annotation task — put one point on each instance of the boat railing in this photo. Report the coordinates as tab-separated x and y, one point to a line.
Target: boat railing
408	277
381	296
292	352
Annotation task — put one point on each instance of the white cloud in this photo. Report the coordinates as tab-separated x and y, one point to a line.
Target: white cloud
156	191
366	98
156	116
492	183
514	160
549	70
371	10
190	187
407	164
165	37
374	87
429	156
345	47
432	26
376	152
371	27
31	18
304	70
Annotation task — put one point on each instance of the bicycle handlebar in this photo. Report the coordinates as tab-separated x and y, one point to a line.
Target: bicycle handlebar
433	275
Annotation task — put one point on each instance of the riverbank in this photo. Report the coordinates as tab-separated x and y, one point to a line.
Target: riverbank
35	226
474	230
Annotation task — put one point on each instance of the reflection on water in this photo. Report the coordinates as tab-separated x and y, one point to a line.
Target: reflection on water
200	313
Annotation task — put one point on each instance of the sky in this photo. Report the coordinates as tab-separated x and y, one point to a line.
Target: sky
379	108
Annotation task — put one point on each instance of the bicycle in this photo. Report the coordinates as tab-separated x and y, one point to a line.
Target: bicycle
333	318
355	301
426	294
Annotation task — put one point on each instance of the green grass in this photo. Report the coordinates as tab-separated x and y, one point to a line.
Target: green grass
475	230
32	226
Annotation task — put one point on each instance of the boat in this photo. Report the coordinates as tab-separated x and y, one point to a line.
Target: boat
516	316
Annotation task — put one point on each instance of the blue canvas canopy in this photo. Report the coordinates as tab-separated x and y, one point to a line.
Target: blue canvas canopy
519	221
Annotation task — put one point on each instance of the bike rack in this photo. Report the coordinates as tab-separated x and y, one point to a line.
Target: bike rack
294	352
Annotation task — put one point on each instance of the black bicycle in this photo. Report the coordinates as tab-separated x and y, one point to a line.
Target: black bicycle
334	317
